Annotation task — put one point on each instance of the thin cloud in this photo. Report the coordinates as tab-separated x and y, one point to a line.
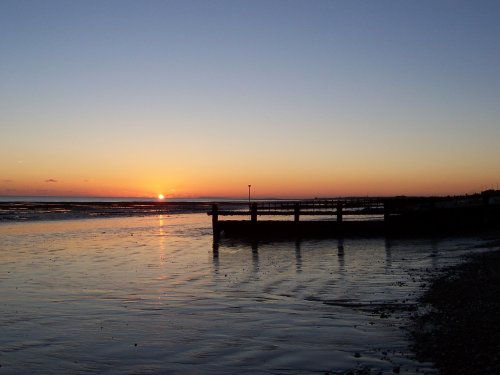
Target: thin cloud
7	181
50	180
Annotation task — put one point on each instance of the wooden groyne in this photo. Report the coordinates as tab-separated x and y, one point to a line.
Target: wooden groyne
361	216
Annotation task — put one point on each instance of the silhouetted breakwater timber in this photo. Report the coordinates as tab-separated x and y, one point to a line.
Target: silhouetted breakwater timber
363	216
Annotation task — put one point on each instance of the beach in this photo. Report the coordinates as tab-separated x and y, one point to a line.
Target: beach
151	294
249	187
460	330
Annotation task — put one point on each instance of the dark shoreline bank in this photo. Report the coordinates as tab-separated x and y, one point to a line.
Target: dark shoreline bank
460	330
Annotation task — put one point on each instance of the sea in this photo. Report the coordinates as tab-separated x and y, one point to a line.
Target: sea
151	292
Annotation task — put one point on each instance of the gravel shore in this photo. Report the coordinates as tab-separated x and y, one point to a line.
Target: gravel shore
460	331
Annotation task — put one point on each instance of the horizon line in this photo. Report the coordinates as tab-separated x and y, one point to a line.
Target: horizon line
166	199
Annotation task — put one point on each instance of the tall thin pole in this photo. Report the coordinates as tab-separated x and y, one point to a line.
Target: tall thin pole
249	186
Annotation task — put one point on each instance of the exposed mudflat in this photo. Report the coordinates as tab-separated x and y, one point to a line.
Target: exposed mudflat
153	295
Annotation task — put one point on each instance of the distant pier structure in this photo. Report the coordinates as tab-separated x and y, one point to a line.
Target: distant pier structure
360	216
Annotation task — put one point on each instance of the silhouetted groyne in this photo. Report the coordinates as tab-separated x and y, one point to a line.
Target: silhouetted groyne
362	216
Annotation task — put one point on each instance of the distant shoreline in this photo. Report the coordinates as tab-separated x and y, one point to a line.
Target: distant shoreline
43	211
79	199
202	199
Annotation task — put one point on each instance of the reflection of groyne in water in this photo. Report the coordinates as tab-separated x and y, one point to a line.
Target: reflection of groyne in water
363	216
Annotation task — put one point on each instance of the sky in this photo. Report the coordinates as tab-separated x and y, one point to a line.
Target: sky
202	98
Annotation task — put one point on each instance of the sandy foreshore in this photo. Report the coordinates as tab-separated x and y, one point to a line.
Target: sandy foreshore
40	211
152	294
460	330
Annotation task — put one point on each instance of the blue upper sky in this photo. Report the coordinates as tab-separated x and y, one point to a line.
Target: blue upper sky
420	78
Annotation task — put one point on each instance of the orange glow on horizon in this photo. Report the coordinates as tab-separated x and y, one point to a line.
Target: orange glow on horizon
269	181
264	187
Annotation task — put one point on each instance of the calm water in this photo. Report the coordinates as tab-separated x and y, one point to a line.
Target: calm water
147	295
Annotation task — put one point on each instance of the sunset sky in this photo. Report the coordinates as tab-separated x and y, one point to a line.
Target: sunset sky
201	98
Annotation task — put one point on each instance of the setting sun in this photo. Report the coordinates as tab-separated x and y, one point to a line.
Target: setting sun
161	196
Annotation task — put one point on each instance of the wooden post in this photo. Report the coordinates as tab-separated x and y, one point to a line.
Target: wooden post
296	212
339	212
215	219
253	213
387	212
485	207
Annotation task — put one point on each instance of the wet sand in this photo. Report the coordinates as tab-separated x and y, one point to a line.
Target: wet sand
43	211
150	295
460	332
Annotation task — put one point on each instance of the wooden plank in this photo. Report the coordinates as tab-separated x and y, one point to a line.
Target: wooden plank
302	213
